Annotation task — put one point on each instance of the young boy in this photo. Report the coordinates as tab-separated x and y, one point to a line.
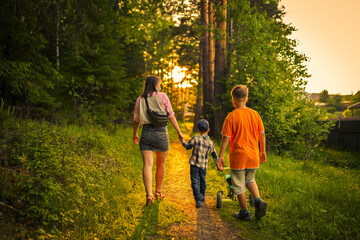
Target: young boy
243	128
201	145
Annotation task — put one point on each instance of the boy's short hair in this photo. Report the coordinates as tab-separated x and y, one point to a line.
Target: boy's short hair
240	92
203	125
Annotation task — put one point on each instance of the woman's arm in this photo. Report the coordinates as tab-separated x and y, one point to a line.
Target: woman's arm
136	137
176	126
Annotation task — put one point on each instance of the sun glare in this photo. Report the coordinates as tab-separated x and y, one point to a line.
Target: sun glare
178	74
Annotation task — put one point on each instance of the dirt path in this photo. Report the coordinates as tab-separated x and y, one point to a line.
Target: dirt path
203	223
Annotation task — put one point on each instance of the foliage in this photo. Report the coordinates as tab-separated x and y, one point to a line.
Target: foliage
331	109
71	182
355	98
106	50
309	132
351	113
94	189
335	101
26	75
338	158
324	96
264	58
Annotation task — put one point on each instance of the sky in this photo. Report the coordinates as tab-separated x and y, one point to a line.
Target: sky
329	34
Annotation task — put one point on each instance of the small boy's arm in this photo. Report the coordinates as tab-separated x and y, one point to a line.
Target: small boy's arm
188	145
214	154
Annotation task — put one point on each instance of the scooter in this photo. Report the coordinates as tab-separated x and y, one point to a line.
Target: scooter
230	193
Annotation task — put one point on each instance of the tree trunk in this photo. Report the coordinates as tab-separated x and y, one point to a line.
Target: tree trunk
210	90
199	97
230	31
204	45
220	66
211	49
57	37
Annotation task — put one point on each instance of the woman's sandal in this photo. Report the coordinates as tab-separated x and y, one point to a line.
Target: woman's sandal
149	200
158	195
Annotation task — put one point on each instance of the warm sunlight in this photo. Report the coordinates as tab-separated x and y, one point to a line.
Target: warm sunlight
178	74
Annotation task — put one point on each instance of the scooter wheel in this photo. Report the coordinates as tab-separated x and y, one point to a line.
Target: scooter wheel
219	199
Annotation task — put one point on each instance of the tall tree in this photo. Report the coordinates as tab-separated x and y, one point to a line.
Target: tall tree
264	58
324	96
211	61
220	65
26	75
204	45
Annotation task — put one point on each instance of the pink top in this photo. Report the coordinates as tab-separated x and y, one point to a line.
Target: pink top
163	99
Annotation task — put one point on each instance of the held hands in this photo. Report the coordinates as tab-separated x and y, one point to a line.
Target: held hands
221	164
136	139
180	136
262	157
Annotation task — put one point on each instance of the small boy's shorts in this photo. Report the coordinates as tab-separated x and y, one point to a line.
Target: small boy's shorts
239	179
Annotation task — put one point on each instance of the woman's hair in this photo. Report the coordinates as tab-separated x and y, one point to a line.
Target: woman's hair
150	84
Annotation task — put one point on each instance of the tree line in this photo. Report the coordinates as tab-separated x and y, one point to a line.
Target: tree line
85	61
340	103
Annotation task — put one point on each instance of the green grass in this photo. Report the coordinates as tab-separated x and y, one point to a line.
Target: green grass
305	201
89	184
94	186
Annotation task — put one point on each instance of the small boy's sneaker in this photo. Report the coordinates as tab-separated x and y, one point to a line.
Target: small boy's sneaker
260	208
198	204
243	215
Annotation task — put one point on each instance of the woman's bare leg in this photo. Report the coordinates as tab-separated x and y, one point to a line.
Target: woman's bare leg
148	160
160	169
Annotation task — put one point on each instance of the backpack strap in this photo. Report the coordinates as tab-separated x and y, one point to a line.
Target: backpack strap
147	104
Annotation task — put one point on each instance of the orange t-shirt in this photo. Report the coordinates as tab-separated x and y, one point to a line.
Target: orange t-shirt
243	125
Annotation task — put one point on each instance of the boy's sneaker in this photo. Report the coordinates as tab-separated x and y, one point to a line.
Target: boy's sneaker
198	204
243	215
260	208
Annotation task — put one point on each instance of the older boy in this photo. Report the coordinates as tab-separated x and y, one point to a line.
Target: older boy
243	128
202	146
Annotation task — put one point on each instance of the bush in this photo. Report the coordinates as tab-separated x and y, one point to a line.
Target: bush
309	133
331	109
54	167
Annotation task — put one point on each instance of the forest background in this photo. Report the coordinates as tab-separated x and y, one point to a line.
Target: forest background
74	61
77	62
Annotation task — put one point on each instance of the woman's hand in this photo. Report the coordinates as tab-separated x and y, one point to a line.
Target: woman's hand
180	135
136	139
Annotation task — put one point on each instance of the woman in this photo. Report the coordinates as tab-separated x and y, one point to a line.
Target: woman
153	139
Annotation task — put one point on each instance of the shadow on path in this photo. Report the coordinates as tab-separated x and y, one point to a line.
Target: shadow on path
210	225
148	224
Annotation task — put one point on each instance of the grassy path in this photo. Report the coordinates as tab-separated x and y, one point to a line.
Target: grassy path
202	223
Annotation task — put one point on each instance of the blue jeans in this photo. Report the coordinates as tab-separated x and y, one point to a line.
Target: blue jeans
198	182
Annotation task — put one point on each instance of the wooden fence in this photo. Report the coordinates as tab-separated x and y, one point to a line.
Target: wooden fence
346	134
